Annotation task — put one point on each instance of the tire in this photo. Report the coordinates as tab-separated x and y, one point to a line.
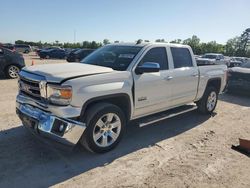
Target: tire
12	71
208	102
47	57
100	136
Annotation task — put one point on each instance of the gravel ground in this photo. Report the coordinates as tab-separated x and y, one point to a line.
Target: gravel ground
190	150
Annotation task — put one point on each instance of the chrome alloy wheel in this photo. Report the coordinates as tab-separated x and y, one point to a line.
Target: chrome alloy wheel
107	129
211	101
13	71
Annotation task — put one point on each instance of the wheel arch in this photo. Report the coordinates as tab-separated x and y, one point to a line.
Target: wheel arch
122	100
215	82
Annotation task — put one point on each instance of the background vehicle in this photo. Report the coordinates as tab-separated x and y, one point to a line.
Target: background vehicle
235	62
23	48
78	55
239	78
9	46
212	59
11	63
70	50
47	48
91	102
53	53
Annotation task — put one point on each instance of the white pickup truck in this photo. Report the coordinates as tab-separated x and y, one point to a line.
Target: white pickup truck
92	102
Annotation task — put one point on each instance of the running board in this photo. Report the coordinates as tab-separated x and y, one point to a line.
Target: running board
166	115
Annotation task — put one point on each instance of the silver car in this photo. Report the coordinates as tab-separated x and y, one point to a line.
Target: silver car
23	48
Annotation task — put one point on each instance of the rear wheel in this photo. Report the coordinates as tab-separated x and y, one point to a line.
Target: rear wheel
12	71
105	127
208	102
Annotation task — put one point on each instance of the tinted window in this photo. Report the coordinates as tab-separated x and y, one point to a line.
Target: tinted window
181	57
246	65
156	55
209	56
87	52
78	51
21	46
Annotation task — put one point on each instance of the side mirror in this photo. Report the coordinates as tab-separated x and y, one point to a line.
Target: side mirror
1	51
147	68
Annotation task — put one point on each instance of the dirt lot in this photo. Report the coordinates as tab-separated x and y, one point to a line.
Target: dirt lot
191	150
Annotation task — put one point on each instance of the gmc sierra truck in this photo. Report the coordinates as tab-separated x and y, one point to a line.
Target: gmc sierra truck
92	102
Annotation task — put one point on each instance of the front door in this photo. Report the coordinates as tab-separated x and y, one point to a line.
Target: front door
151	90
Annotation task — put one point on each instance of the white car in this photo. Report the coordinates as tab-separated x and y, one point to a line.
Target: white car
212	59
92	102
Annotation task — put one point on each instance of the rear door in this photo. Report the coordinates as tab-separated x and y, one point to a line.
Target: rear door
184	78
151	90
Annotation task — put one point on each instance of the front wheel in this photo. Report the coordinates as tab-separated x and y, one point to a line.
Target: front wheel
12	71
105	127
208	102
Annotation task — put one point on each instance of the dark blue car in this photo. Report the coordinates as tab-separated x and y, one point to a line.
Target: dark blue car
11	62
53	53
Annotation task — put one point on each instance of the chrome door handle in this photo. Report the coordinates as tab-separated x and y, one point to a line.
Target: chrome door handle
168	78
194	74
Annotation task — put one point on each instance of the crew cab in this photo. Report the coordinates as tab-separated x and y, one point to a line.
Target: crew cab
92	102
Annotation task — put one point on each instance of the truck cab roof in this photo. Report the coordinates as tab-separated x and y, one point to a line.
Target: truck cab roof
144	44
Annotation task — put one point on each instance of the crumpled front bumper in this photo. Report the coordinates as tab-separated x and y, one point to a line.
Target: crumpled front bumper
63	130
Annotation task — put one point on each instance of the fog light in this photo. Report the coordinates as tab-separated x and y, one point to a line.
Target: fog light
61	127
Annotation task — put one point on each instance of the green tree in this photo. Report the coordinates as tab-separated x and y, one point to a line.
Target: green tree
159	40
244	43
232	46
176	41
106	41
194	42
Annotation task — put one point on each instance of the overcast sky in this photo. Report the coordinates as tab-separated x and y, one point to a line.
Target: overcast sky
123	20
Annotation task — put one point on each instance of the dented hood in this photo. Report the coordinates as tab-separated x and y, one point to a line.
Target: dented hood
65	71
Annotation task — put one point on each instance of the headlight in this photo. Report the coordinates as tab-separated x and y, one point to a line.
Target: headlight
60	95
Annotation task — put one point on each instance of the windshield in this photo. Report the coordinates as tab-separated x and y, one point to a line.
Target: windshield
77	51
113	56
246	65
209	56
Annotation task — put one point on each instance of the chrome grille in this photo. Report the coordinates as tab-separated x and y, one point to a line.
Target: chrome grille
30	88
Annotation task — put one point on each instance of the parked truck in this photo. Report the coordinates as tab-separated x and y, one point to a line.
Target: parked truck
92	102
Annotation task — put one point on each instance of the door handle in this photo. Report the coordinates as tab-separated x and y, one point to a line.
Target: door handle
194	74
168	78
